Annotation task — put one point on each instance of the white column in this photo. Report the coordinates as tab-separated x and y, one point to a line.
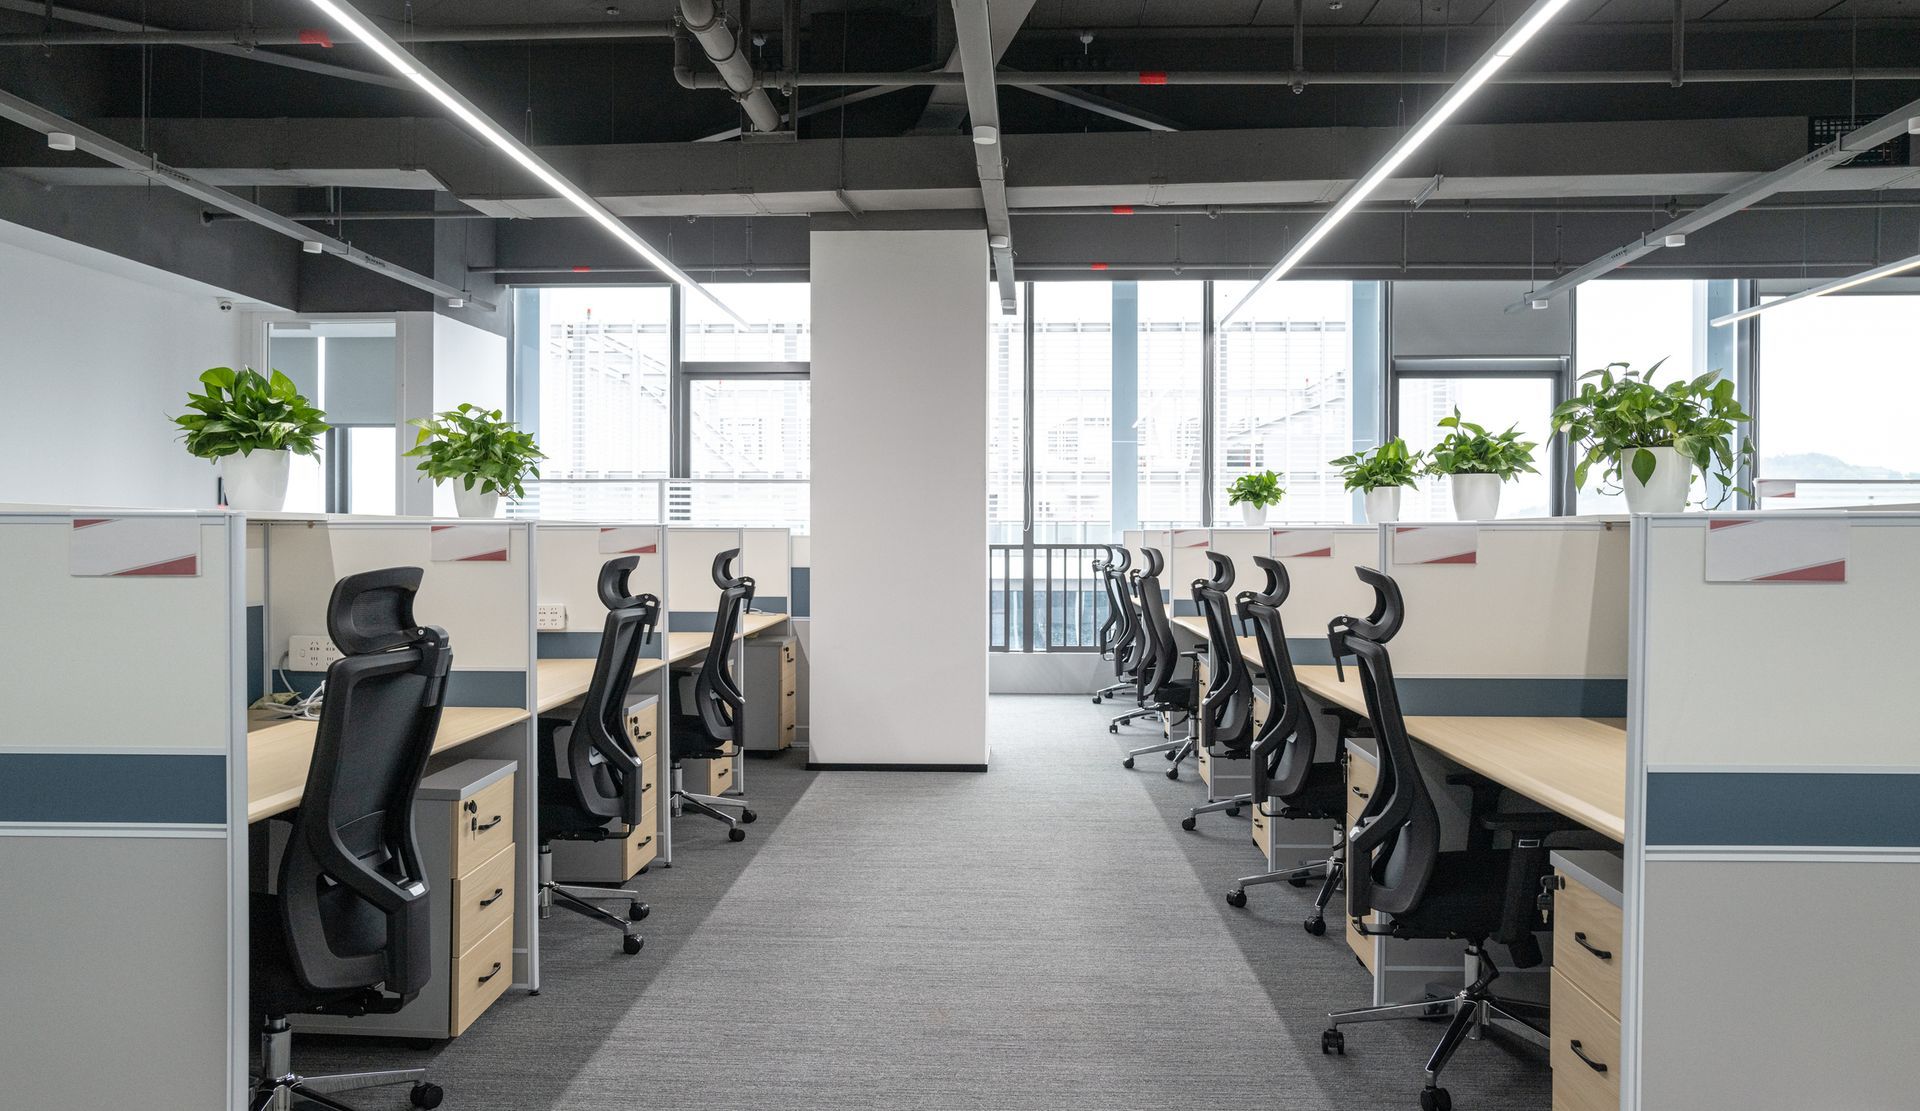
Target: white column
899	546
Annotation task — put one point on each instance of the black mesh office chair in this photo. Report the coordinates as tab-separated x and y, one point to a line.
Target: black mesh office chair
1117	641
591	785
1126	585
1482	893
1159	692
712	730
347	931
1226	714
1288	781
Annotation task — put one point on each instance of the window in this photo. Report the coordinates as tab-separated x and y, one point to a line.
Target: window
1839	381
1006	429
1169	346
371	457
1283	394
349	369
1072	411
1494	401
750	426
777	330
605	400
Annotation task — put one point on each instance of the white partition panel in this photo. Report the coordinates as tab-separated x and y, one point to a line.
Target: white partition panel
123	809
692	596
767	555
1773	790
569	557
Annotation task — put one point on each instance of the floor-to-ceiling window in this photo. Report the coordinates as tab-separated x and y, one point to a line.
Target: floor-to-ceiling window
1072	426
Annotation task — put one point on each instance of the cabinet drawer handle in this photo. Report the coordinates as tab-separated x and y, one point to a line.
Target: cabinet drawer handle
1361	793
644	736
496	972
1580	939
645	841
494	898
497	819
1590	1062
789	727
790	694
723	772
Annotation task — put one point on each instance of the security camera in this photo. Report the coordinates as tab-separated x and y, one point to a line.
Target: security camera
226	305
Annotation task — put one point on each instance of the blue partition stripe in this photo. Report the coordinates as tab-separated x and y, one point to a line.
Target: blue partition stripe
1802	809
464	688
567	646
1511	697
1309	650
170	789
770	603
685	622
1185	607
256	652
802	592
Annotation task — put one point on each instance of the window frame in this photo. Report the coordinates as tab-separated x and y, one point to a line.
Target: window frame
1557	370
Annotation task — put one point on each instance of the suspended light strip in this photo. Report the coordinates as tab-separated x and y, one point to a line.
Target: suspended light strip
466	112
1835	286
1500	54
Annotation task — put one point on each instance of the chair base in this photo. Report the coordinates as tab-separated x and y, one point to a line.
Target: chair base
1331	870
277	1085
1472	1011
1230	807
574	896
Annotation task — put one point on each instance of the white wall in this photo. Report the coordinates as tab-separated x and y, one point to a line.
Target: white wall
443	363
95	354
899	388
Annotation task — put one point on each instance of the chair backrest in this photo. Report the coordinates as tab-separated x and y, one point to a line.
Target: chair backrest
1125	641
1228	709
715	692
1399	834
1284	747
602	766
1160	657
353	893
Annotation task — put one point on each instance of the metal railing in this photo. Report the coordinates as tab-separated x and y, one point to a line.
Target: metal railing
1045	597
719	502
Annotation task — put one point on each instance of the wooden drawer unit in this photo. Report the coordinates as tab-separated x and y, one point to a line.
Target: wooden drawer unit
482	825
481	975
643	726
1262	826
772	685
618	860
708	777
483	899
1586	1050
1362	776
1587	941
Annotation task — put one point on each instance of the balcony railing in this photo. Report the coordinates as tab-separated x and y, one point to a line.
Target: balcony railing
1045	597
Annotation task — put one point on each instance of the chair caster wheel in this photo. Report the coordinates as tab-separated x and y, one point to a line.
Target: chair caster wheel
1096	700
1233	812
1187	823
1298	881
1173	772
426	1095
1333	1041
1168	755
637	910
1237	897
644	869
1315	926
1127	763
1435	1099
749	817
631	945
736	835
1112	728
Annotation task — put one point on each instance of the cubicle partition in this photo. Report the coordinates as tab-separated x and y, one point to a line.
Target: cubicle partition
123	808
1773	812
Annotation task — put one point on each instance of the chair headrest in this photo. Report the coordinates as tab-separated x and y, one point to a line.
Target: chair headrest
1122	558
1222	571
1155	561
722	577
1278	584
613	582
1389	611
373	611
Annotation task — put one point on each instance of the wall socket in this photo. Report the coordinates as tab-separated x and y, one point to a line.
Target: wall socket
550	618
311	653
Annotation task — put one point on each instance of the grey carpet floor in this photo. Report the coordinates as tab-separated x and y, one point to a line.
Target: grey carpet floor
1039	936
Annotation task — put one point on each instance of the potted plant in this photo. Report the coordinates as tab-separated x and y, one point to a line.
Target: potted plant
1648	439
1379	474
485	451
1476	463
1253	493
252	426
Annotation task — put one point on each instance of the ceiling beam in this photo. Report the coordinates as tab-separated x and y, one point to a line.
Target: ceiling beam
1794	174
972	28
947	106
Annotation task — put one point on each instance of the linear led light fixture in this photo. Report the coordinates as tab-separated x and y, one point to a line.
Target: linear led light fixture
1835	286
1530	24
378	41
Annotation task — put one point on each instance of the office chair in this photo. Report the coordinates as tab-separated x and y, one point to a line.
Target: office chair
599	780
719	704
1117	641
1226	714
1127	588
1159	692
1287	781
348	930
1482	893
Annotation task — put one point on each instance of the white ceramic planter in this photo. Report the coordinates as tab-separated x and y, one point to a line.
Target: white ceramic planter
1476	497
1253	515
256	482
473	503
1666	491
1383	505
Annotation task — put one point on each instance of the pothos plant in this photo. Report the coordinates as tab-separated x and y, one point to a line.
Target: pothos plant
1619	414
1468	448
1258	490
477	447
1388	465
243	411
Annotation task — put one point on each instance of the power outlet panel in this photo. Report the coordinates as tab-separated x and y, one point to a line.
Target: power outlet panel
550	618
311	653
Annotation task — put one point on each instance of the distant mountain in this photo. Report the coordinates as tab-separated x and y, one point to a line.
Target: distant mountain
1815	465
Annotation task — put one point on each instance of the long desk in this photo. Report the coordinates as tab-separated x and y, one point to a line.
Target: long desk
1573	766
280	750
558	682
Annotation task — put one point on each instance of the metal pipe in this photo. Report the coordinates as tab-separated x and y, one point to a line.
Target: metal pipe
244	38
1265	77
1188	266
708	25
214	217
